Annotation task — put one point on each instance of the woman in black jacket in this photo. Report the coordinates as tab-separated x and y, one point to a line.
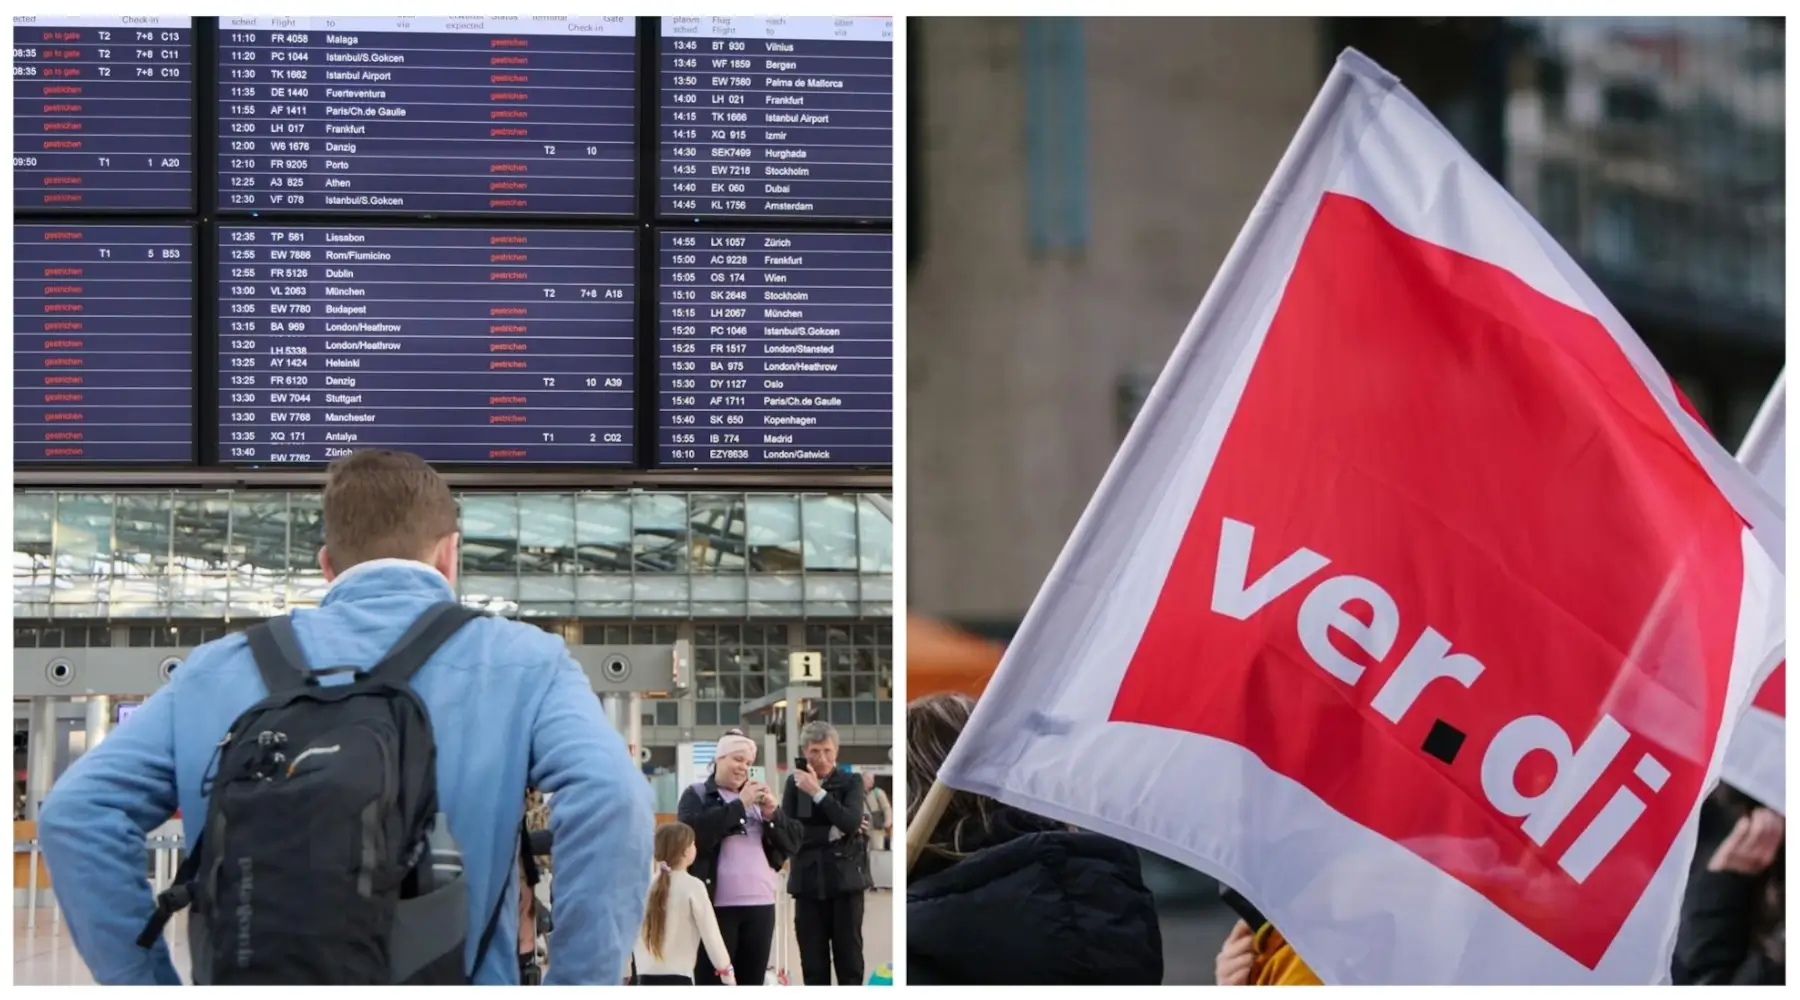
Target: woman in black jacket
1004	896
1733	918
741	838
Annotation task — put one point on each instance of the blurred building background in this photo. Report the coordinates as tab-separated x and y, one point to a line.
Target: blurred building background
1075	183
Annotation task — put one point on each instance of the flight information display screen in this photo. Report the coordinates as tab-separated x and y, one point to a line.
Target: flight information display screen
103	344
431	115
459	345
775	349
103	113
776	117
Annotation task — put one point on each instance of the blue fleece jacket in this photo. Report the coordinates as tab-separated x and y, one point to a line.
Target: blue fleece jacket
505	699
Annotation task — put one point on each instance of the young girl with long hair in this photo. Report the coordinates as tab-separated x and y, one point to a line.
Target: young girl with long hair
678	919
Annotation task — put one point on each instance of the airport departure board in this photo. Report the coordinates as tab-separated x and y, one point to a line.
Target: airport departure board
775	348
103	344
433	115
103	113
776	117
460	345
517	241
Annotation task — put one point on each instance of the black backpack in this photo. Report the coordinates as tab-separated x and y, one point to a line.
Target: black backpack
324	859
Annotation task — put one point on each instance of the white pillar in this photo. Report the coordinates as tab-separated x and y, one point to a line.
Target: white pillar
634	721
613	705
794	749
41	757
771	751
99	719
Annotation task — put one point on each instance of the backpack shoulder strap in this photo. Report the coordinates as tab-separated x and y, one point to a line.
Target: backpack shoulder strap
493	922
430	631
277	652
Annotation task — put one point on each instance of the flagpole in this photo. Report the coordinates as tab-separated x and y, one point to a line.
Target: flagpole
1771	419
920	828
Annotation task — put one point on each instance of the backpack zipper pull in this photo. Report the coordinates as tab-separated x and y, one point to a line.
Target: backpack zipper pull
269	758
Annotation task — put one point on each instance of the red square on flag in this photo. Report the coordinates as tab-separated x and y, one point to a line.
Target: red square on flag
1485	493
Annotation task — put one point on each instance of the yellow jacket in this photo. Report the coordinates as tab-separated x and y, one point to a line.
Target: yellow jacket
1276	962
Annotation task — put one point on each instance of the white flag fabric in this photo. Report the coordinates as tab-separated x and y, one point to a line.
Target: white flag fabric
1756	761
1414	606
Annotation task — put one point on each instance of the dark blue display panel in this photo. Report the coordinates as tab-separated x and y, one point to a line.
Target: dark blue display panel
103	113
103	344
775	349
776	117
434	115
459	345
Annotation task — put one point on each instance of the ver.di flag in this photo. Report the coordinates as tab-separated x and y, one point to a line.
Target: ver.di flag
1756	760
1414	606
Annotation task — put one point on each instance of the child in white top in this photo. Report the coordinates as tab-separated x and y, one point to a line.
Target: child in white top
678	919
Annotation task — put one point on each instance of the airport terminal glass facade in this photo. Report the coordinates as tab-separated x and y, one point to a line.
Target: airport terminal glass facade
225	555
746	578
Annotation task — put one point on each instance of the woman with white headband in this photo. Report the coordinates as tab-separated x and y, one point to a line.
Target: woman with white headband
742	840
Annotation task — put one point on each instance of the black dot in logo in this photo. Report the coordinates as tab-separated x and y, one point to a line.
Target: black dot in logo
1444	741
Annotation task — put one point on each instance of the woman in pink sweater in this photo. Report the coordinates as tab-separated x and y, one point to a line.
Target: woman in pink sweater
743	838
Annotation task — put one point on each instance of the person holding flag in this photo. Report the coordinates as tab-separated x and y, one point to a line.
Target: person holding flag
1733	921
1733	918
1415	606
1001	896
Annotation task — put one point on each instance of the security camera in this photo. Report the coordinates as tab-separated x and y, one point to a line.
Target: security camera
60	672
616	669
167	668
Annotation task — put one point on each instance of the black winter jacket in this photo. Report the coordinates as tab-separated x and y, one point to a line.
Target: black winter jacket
829	865
1033	903
714	819
1717	945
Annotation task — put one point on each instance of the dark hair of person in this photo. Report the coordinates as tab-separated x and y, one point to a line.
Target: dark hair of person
932	725
384	505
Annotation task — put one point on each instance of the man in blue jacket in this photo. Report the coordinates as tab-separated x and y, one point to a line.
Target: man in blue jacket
508	705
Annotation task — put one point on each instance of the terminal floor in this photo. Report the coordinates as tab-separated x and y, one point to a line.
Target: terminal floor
47	957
